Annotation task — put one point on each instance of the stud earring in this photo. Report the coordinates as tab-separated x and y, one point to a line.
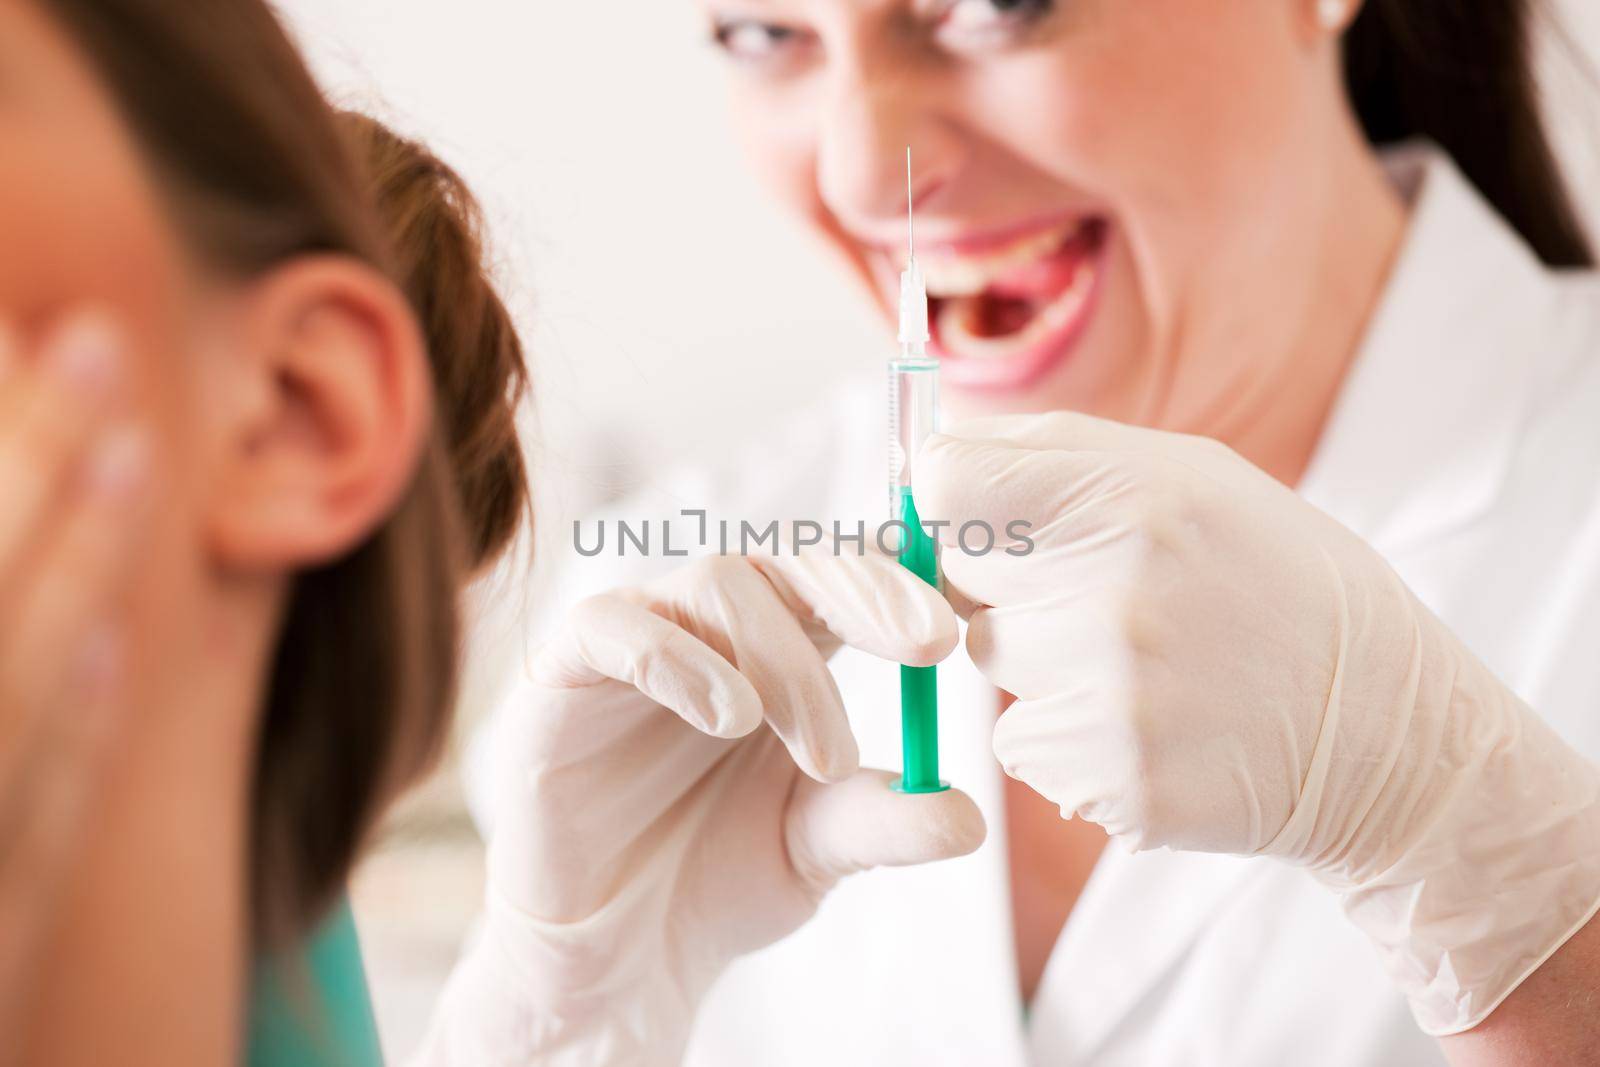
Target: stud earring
1331	14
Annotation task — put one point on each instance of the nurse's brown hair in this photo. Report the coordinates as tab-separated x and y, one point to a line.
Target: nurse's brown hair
1461	74
258	169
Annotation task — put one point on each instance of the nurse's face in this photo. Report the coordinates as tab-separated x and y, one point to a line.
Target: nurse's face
1112	196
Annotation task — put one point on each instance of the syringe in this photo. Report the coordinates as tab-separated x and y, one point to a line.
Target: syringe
913	415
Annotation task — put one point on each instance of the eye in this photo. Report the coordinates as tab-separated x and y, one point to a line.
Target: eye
764	44
977	23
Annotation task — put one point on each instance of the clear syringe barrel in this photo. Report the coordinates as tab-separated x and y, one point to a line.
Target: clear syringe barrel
913	413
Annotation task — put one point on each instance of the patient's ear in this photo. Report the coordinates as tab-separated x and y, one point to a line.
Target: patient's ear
336	409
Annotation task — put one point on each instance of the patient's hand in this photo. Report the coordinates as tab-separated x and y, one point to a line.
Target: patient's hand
71	469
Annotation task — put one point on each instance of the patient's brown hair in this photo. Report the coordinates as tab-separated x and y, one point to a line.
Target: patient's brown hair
258	168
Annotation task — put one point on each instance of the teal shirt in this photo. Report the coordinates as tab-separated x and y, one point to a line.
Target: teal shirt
313	1010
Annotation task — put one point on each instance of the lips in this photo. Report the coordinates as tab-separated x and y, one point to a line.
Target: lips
1007	311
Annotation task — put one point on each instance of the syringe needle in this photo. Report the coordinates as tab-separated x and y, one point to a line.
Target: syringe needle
911	229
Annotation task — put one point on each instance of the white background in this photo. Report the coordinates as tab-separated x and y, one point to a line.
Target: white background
669	309
667	305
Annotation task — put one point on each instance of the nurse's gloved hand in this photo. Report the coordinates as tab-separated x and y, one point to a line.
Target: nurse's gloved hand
1204	661
682	787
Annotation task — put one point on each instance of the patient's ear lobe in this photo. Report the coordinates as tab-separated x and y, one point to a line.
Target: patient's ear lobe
338	410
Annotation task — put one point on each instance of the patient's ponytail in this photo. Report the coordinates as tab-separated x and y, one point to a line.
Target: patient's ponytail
435	235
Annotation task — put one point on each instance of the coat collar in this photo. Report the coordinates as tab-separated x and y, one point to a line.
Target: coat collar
1137	919
1421	436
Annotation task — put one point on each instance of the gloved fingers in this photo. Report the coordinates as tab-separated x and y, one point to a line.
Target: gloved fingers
868	602
1069	431
1073	749
860	823
1013	490
996	483
959	601
1029	648
607	636
954	597
1072	431
1010	513
1070	559
731	605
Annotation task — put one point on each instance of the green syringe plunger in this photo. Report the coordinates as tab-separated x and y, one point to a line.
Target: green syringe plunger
919	686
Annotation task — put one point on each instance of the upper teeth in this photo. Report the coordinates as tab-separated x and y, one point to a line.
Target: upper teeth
958	335
950	274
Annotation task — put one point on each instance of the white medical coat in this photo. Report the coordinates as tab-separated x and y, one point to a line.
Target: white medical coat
1465	447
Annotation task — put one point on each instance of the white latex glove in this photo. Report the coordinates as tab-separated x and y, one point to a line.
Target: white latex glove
656	822
1204	661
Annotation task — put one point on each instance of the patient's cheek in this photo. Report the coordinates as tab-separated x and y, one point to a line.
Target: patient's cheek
82	221
74	241
82	228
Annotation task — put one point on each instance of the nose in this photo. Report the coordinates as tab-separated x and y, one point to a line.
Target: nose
868	123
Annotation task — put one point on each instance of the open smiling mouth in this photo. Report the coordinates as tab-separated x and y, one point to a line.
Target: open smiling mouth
1004	316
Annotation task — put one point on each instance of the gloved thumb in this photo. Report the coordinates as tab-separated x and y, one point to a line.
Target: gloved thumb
860	823
1001	485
